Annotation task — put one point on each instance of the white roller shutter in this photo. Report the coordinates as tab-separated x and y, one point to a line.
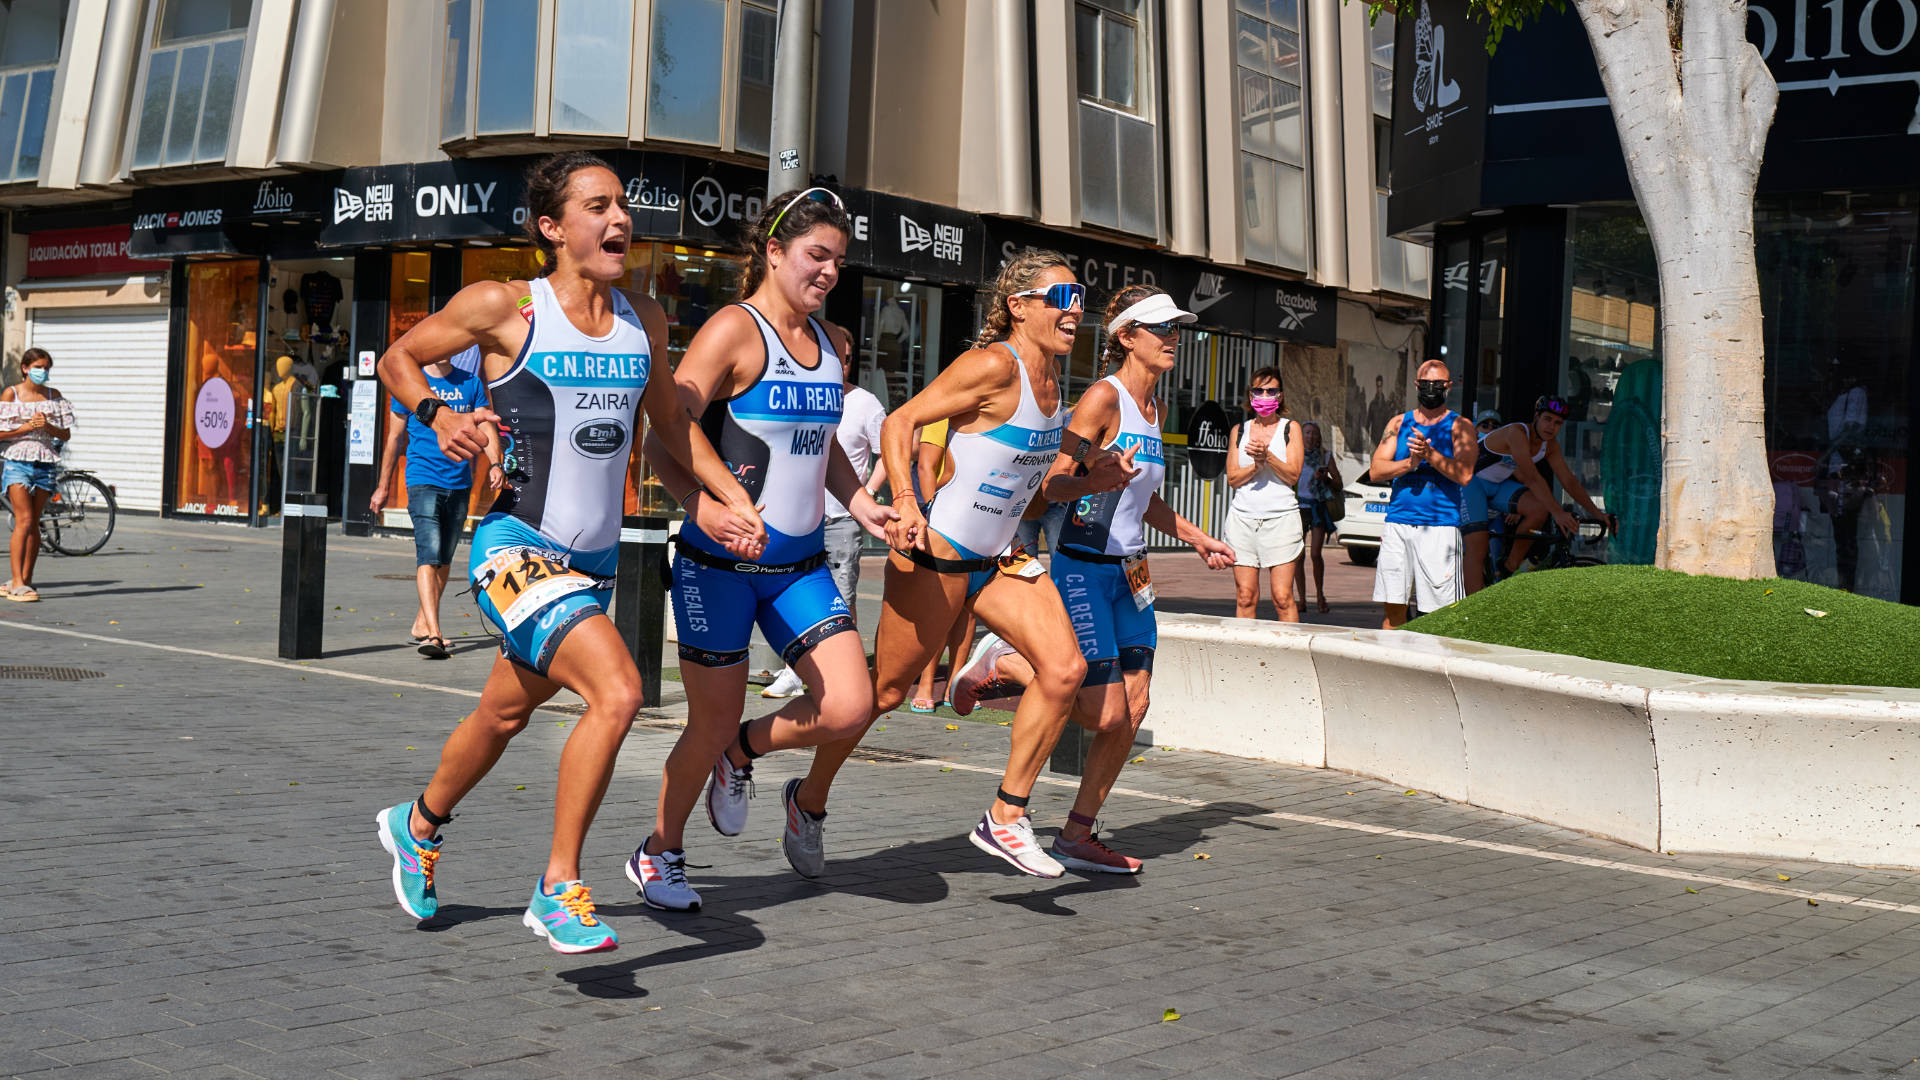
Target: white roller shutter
112	362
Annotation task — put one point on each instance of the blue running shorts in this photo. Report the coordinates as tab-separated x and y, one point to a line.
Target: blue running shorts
1480	500
716	609
1115	635
533	590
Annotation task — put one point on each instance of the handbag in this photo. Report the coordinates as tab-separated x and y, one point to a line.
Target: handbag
1337	507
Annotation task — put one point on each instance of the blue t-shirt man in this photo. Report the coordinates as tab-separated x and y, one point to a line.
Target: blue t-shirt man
426	465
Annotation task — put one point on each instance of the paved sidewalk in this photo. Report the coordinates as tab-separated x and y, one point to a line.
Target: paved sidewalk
195	889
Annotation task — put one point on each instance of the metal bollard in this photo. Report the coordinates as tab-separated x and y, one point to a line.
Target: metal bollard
1070	753
303	575
640	597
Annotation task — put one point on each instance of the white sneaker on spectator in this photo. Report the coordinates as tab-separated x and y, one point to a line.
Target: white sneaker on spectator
784	685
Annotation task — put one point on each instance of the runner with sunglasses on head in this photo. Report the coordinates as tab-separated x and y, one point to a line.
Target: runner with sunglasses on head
1508	479
1003	398
765	380
1100	565
569	362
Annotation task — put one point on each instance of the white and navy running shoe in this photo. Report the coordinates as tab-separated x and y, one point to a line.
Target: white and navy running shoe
662	880
727	793
1014	842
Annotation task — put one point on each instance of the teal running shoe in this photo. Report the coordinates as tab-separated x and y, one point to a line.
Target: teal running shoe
566	919
412	862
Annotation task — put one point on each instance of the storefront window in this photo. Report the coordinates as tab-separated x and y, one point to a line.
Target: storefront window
1455	296
899	338
1492	282
592	47
216	452
1836	285
683	74
753	114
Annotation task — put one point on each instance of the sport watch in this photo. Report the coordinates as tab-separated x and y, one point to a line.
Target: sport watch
428	406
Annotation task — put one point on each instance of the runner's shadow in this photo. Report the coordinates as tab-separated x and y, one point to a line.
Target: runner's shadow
718	934
61	593
452	915
1048	902
1175	833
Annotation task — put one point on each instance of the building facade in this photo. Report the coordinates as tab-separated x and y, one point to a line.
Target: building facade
199	188
1511	167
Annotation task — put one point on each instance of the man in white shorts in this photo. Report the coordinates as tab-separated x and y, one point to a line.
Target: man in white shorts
1428	453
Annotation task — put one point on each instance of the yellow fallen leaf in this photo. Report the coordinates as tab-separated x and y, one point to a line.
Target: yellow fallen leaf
409	747
1139	759
1693	890
1379	856
353	609
1783	877
1769	592
1816	614
1201	855
651	1008
882	727
1349	792
293	783
1004	723
1169	1016
1411	791
1811	902
519	787
946	770
953	727
113	622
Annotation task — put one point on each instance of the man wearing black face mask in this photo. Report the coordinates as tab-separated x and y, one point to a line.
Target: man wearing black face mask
1428	454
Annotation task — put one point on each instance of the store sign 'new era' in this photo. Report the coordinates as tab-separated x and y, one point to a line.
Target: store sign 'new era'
375	205
947	241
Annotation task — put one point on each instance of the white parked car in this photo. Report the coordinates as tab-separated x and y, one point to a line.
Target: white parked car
1366	519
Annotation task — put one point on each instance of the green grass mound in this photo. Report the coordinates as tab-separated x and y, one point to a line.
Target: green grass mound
1716	627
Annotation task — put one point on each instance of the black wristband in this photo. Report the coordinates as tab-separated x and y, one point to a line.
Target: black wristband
427	408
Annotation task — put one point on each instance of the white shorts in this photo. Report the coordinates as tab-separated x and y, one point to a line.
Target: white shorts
1421	561
1273	541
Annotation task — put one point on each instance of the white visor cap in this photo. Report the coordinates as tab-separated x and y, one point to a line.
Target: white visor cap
1157	308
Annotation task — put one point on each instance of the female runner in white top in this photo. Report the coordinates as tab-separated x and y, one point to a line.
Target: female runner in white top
1003	399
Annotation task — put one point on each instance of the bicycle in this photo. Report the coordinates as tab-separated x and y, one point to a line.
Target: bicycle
79	517
1553	548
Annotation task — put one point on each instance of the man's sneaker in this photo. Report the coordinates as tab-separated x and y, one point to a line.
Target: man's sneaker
1014	842
784	685
566	919
728	790
802	840
662	880
412	861
1088	853
963	690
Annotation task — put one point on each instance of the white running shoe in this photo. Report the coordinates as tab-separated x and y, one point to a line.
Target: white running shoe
784	685
728	790
1014	842
662	880
963	690
802	839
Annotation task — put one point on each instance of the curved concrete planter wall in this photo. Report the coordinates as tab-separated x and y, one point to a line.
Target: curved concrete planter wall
1656	759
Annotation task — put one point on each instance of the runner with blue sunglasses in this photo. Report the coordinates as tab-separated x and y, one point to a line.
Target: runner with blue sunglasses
1003	401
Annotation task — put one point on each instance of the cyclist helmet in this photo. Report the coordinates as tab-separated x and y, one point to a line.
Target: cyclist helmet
1550	403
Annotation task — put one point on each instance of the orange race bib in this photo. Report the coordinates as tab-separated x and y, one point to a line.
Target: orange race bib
1139	580
521	581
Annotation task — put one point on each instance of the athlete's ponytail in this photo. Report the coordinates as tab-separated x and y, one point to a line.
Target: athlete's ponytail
785	220
1019	273
547	183
1113	354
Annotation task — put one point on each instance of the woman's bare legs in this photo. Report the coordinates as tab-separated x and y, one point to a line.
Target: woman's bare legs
1246	592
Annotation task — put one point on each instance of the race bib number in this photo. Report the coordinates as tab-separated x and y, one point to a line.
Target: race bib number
522	582
1019	563
1139	580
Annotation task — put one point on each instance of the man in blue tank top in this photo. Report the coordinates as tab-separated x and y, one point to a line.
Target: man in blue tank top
1428	453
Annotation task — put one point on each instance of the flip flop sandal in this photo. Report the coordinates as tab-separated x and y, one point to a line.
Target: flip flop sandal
434	649
922	705
23	594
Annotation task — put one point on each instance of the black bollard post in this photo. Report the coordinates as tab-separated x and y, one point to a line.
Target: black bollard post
303	575
1070	753
640	597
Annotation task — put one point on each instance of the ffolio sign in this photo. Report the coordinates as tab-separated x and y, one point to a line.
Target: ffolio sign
60	253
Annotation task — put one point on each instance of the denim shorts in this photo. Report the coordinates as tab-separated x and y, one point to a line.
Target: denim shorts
1314	515
34	474
438	513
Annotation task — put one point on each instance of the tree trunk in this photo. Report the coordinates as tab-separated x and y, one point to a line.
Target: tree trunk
1693	123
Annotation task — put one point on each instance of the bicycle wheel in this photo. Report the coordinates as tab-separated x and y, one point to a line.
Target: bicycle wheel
80	514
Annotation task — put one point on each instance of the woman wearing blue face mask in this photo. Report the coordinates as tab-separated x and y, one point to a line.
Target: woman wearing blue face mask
34	420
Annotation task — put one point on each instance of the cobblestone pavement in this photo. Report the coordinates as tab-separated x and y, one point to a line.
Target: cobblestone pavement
194	888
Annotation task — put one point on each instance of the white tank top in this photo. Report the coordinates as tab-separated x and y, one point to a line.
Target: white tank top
995	473
1266	495
1114	522
774	435
1500	466
570	408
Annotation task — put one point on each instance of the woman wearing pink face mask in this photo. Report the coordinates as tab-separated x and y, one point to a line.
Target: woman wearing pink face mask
1263	521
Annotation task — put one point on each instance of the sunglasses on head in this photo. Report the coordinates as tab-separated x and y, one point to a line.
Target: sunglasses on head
812	194
1265	391
1066	295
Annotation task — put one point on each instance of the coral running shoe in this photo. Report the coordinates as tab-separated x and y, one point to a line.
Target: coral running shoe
413	861
1014	842
802	840
662	880
1088	853
566	919
727	793
978	673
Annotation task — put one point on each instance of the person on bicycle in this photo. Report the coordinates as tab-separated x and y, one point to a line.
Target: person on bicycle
1508	479
34	420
